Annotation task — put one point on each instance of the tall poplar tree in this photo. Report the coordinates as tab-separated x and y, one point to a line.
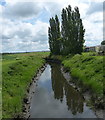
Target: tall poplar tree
72	31
54	35
71	38
64	31
58	35
79	32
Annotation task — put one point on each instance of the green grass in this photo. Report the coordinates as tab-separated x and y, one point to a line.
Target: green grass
88	68
18	70
17	73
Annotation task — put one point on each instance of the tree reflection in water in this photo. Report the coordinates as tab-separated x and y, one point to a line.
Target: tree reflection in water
61	88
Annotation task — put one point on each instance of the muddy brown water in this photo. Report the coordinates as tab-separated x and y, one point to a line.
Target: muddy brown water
55	98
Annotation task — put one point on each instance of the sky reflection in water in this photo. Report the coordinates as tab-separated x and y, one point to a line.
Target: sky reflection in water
55	98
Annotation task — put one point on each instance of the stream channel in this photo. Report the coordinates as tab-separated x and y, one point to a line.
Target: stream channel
54	97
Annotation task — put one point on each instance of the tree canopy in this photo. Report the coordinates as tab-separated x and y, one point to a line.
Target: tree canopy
70	39
103	42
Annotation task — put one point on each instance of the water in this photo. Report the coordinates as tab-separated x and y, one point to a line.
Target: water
55	98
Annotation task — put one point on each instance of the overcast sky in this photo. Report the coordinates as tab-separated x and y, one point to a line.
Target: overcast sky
25	22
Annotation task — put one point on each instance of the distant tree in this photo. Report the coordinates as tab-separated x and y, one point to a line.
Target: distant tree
58	35
64	32
72	31
54	35
79	32
103	42
71	38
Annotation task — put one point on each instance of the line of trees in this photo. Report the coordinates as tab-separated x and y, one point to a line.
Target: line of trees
70	39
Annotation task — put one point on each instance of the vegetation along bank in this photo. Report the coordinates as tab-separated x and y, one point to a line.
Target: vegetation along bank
87	68
17	73
68	40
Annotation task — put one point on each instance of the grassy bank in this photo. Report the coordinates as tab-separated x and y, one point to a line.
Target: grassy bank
88	71
88	68
17	73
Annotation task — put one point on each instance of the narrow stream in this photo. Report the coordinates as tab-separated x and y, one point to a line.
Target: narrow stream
55	98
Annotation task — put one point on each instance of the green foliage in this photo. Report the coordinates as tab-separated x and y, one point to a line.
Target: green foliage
16	76
72	31
103	42
54	35
88	69
71	38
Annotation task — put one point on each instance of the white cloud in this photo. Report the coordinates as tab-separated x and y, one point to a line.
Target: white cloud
21	36
21	10
93	23
95	7
24	36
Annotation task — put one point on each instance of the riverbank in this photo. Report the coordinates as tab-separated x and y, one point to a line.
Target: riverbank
87	69
53	92
18	71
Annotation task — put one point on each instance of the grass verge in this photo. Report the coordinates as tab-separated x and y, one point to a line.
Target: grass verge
17	73
88	68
